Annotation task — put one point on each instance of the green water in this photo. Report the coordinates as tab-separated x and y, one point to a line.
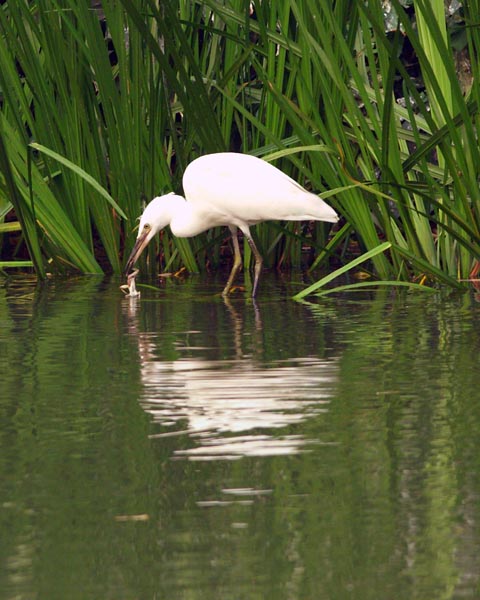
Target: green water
180	447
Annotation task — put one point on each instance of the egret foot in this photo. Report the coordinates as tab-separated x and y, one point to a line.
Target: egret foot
236	288
180	272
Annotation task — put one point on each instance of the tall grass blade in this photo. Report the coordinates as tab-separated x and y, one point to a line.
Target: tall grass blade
25	212
82	174
342	270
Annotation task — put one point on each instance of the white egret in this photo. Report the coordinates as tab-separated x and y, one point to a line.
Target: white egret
235	190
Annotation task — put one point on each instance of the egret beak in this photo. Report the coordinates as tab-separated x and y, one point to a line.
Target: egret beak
139	247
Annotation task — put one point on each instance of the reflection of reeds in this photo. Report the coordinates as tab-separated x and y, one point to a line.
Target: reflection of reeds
310	84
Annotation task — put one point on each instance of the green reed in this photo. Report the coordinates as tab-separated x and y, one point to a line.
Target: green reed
307	84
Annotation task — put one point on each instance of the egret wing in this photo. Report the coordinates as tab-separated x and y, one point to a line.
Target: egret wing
246	189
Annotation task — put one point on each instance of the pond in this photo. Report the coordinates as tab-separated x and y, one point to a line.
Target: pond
180	446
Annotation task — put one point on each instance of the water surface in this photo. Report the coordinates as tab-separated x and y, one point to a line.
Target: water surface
181	446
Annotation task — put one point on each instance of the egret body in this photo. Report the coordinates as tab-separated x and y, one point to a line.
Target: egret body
235	190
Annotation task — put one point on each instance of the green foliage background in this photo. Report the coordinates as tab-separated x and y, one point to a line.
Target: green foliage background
96	119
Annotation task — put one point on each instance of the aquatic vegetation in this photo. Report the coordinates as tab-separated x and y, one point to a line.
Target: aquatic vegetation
102	109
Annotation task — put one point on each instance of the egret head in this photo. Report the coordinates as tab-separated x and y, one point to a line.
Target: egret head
154	218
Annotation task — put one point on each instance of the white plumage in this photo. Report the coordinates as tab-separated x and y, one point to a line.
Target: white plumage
235	190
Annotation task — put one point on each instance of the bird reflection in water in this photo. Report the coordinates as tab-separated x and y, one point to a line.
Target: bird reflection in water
232	408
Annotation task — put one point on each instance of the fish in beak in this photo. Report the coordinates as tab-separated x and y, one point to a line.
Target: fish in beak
129	288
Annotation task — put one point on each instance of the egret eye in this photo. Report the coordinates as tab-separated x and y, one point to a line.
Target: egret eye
146	227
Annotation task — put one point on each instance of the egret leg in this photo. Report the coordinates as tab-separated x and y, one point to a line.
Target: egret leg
237	260
258	259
